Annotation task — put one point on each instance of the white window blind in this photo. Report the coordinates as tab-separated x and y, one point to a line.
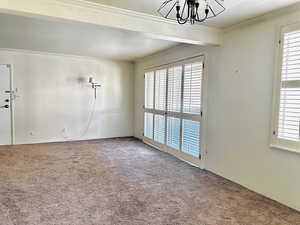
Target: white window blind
149	90
191	137
289	106
174	89
173	132
148	125
159	128
192	88
160	89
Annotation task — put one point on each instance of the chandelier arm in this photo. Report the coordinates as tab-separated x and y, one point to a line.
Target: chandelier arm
184	20
191	14
203	19
197	16
181	21
182	11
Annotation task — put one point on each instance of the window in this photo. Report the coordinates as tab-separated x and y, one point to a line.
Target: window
173	106
286	121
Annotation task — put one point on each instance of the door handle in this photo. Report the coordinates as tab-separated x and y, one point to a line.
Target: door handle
5	106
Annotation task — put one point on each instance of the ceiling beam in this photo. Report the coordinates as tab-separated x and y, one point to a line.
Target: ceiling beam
99	14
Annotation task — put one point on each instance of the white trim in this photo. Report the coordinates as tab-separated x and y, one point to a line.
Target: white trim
176	63
290	28
41	53
276	142
282	147
12	104
204	125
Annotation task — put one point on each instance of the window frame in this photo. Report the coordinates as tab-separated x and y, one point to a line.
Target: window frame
275	142
194	117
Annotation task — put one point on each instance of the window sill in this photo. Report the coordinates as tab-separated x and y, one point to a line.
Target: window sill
285	148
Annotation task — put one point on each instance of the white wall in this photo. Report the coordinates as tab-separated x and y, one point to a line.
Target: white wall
55	100
240	76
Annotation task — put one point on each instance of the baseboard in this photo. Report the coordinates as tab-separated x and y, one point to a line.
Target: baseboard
68	141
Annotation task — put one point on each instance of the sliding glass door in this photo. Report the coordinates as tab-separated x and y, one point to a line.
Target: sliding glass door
174	109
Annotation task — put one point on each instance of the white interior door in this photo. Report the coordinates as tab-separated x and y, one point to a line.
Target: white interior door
5	106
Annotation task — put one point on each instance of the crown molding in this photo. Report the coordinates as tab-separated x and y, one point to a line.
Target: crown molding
267	16
116	10
64	55
103	15
53	54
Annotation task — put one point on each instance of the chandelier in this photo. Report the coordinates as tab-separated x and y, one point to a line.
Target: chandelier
191	10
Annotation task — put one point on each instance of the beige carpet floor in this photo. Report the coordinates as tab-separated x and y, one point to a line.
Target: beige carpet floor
122	181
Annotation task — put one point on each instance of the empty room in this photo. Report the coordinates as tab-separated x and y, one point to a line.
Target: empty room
150	112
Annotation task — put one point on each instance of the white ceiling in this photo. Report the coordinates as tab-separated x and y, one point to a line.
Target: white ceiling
98	41
75	38
236	10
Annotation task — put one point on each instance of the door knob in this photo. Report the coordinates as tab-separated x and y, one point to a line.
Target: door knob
6	100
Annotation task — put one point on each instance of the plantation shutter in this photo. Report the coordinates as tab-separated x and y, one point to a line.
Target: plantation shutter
160	89
173	132
191	137
289	106
192	88
173	116
149	90
159	128
174	89
148	125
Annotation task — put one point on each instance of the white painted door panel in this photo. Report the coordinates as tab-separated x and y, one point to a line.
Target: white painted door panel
5	111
